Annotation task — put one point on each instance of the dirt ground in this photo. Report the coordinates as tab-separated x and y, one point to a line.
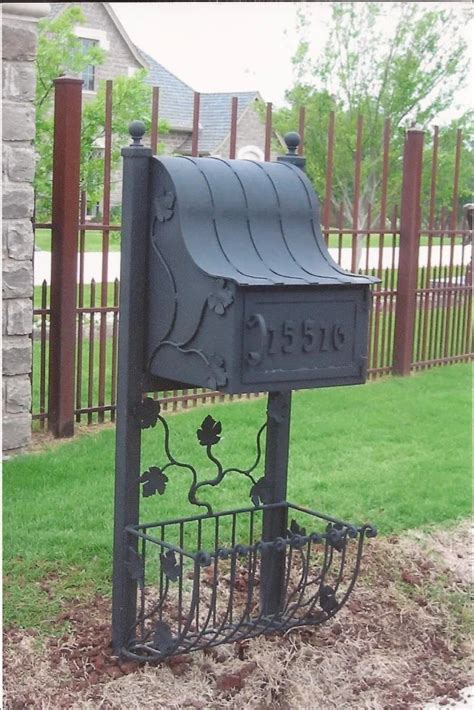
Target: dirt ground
401	641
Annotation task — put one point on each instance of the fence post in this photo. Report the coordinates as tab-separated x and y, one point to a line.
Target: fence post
65	215
410	219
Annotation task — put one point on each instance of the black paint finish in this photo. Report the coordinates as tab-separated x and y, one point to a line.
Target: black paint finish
226	283
244	294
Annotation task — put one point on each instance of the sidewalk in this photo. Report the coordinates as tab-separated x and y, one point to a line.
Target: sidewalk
93	261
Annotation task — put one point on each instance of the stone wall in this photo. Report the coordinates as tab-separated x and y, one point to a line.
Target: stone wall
18	53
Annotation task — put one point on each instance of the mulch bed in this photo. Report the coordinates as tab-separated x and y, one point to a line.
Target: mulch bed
401	640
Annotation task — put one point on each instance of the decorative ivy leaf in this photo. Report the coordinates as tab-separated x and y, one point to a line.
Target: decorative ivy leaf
164	206
260	492
169	565
220	299
163	638
218	377
327	599
154	481
295	529
208	434
147	413
136	567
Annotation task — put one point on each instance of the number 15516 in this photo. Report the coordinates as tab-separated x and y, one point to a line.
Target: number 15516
307	336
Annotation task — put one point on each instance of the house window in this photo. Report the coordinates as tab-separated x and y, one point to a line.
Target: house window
88	75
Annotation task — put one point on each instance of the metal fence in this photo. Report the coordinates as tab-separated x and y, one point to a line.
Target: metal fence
421	312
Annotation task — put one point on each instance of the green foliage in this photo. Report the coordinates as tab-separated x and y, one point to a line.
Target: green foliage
409	76
131	97
60	52
448	136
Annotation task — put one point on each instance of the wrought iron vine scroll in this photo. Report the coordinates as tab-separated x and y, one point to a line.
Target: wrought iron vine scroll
154	480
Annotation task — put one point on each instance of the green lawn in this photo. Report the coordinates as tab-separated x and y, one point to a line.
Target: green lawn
394	452
93	240
89	384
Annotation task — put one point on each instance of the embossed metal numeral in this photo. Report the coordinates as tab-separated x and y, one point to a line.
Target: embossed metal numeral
309	335
288	331
323	348
271	342
338	336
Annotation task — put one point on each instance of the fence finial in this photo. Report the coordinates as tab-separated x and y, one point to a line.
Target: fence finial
137	131
292	140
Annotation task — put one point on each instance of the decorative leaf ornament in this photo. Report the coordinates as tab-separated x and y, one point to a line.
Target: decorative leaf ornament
209	433
260	492
327	599
169	565
148	412
154	481
220	299
164	206
295	529
218	376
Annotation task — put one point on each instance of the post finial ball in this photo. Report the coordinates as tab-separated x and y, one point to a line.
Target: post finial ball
292	141
137	131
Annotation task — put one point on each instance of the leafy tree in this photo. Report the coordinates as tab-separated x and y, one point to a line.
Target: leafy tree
60	52
131	97
409	76
445	166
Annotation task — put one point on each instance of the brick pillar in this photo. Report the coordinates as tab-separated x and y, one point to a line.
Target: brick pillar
19	34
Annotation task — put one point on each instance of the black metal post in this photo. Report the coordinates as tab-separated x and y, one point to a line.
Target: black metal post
275	521
130	374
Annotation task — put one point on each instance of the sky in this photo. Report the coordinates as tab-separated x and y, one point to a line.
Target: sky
232	46
219	46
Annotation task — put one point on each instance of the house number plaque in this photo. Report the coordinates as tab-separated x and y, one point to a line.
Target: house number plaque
302	336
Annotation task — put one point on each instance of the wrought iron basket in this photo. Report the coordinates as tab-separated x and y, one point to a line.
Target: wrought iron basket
190	598
201	579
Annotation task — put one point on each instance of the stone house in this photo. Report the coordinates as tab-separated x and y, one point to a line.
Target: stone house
102	26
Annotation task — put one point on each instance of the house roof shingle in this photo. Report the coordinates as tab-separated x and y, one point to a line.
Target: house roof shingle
215	115
176	107
176	97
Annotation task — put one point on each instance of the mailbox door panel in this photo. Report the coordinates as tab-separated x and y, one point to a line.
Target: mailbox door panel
298	338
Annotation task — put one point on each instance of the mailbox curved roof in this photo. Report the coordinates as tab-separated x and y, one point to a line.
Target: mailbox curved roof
251	222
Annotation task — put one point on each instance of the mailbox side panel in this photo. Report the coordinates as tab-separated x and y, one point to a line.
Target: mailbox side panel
191	331
304	338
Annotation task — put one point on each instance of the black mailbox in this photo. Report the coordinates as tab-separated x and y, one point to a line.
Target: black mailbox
243	293
240	295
